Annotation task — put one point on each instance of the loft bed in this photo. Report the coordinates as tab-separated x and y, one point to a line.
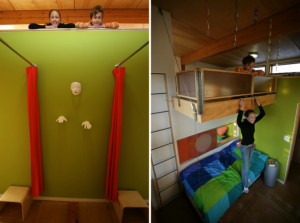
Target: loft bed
216	93
214	183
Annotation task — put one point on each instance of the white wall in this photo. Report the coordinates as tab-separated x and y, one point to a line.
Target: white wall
162	61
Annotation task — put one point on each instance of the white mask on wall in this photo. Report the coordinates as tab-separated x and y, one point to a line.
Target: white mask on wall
76	88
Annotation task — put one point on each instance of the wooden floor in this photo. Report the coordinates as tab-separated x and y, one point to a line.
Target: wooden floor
68	212
280	204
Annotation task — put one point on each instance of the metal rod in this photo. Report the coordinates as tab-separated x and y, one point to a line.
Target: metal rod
164	160
158	112
160	130
162	146
166	174
6	44
118	65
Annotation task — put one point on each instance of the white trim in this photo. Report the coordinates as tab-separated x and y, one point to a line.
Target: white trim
289	157
280	181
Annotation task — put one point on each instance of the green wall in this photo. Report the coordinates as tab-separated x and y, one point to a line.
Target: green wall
74	159
279	121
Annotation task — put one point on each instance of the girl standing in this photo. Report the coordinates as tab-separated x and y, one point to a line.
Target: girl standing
247	144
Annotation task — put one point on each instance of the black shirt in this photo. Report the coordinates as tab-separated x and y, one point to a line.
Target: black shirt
60	25
247	128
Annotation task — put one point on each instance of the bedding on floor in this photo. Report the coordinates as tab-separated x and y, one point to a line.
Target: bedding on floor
215	183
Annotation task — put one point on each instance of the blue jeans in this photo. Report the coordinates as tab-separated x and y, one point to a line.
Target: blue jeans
246	152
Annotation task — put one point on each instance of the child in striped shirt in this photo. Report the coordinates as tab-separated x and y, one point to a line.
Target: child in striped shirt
96	16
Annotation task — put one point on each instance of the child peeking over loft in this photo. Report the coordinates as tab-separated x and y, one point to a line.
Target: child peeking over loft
96	16
248	63
54	22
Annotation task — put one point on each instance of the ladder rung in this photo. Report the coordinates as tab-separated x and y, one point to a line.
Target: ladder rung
168	186
158	93
162	146
159	112
166	174
164	161
160	130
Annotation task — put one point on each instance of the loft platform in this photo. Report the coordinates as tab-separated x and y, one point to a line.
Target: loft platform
215	93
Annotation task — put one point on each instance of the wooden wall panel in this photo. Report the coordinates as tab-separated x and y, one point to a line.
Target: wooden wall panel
41	16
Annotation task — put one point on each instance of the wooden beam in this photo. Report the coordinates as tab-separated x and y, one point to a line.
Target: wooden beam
73	16
284	23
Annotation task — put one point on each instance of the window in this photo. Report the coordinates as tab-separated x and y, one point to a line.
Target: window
285	68
263	68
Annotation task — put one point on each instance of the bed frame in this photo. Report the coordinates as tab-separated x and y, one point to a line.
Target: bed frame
216	93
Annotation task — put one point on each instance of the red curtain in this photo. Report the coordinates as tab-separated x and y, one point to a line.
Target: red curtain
34	131
115	136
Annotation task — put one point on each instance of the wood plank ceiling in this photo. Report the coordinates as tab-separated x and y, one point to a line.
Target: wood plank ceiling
36	11
71	4
189	26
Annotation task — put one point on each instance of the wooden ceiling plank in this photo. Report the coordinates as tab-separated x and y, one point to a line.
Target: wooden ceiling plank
275	6
284	22
144	4
234	58
23	5
6	5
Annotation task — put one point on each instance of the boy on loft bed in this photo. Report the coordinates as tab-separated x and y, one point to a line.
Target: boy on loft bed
96	16
247	145
248	63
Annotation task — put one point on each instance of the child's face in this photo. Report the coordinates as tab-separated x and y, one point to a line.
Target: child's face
97	19
251	118
54	18
249	66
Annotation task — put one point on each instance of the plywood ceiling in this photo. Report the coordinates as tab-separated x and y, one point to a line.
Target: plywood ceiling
289	48
189	22
71	4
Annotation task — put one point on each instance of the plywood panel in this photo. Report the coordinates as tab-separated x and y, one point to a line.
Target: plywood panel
24	5
215	110
6	5
144	4
59	4
82	4
73	16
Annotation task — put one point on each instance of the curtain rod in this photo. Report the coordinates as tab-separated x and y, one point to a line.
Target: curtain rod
119	64
1	40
